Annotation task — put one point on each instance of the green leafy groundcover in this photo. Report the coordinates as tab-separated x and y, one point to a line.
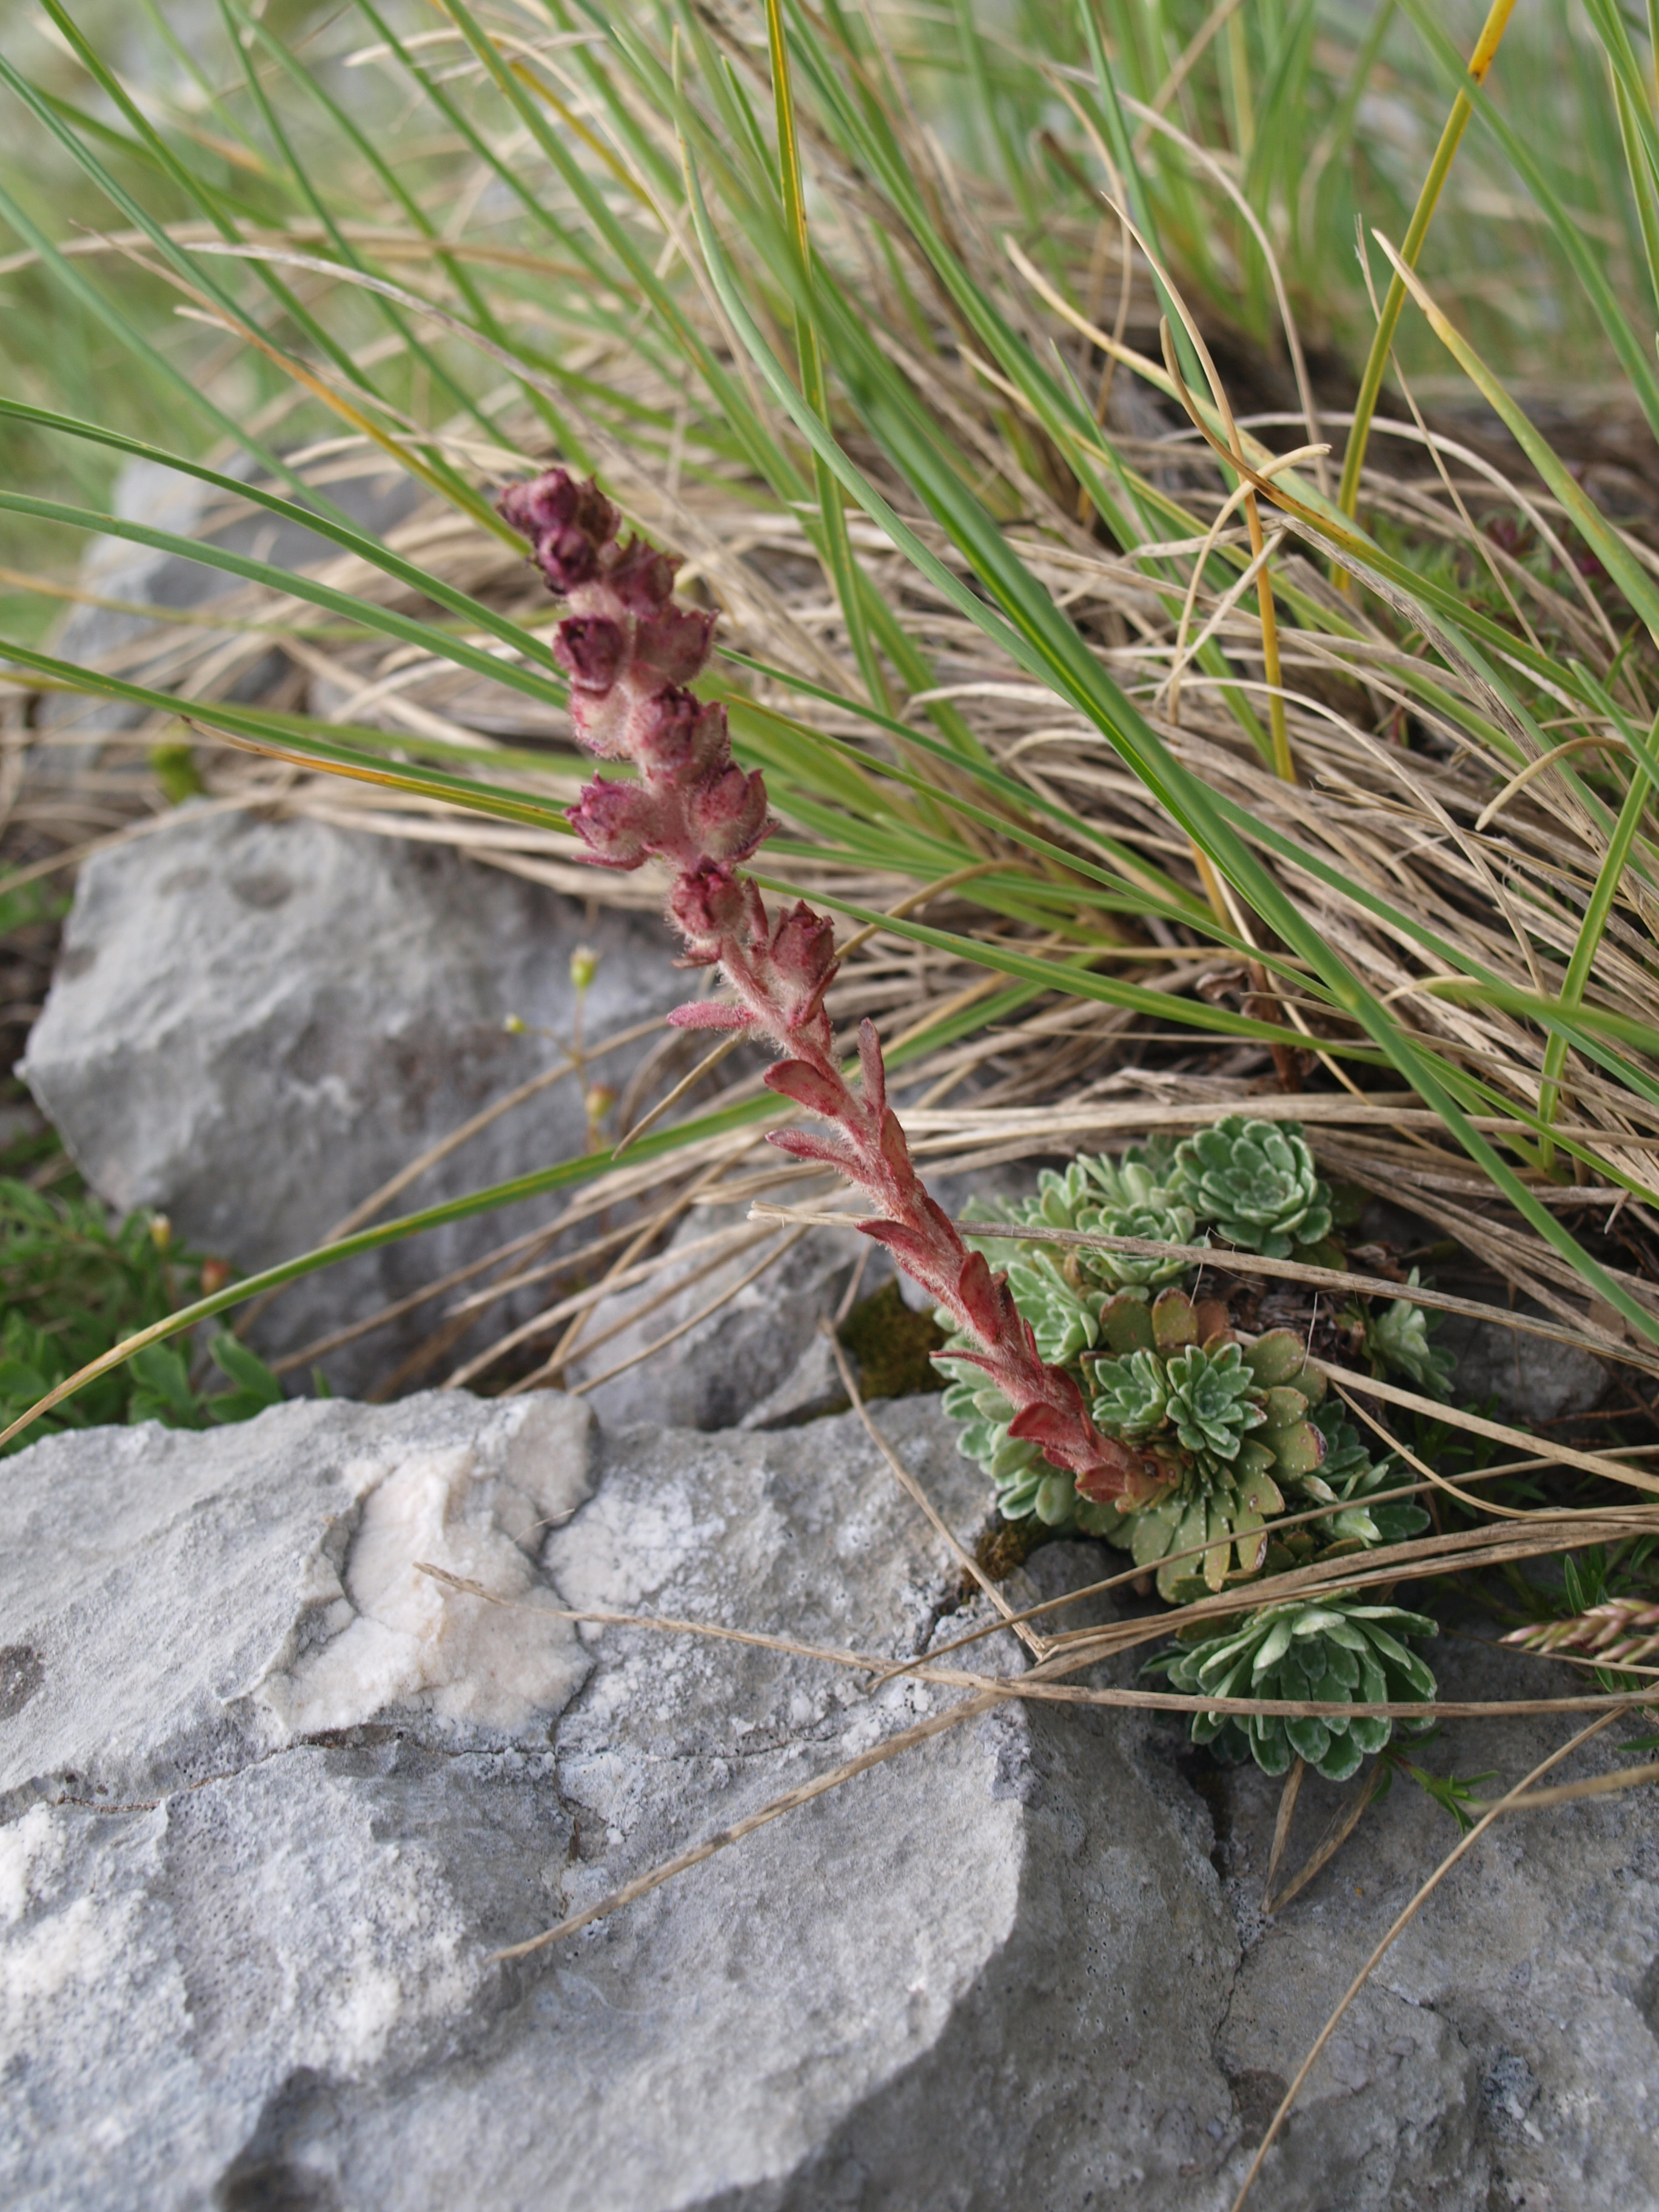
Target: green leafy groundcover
1336	1651
1263	1470
73	1286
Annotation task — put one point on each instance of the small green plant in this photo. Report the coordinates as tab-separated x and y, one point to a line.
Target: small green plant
1259	1468
1257	1182
1336	1651
1453	1793
1237	1436
1397	1339
1227	1428
73	1286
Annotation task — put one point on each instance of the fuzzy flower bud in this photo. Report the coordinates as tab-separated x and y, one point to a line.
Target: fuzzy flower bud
616	822
708	906
584	967
567	524
726	813
673	645
663	730
803	960
589	649
642	578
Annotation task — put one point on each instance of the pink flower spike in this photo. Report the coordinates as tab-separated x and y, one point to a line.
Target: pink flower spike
631	653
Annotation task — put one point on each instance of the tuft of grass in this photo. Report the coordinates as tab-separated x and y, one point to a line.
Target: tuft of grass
991	377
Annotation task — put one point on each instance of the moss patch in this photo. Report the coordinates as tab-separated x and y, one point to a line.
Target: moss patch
893	1346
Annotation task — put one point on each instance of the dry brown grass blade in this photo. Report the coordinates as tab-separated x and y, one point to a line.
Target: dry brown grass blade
1352	1284
1285	1815
1325	1851
1572	1793
670	1336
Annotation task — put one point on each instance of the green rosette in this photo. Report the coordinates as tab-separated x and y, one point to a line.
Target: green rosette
1334	1651
1231	1428
1256	1183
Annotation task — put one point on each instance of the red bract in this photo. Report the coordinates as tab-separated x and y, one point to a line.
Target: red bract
631	655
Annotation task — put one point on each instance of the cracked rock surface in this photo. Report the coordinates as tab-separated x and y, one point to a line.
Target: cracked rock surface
272	1795
1505	2055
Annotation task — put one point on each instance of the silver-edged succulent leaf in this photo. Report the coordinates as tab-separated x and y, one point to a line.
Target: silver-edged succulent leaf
1098	1196
1132	1394
1336	1651
1398	1339
1256	1183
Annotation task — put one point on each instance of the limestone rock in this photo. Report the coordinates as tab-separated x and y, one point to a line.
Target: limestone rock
725	1364
758	1360
126	641
255	1024
265	1820
946	1983
272	1566
1500	2054
1527	1377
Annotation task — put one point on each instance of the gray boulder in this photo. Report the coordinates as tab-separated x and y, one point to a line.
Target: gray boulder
271	1796
126	639
262	1923
1511	2030
255	1024
758	1357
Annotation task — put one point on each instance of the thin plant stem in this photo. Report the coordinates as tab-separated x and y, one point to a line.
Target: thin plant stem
1377	362
1589	940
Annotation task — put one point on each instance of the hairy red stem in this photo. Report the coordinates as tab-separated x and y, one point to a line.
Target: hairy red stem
631	655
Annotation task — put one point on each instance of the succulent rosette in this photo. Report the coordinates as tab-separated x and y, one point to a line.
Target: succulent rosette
1335	1650
1228	1427
1061	1289
1397	1338
1256	1183
1112	1198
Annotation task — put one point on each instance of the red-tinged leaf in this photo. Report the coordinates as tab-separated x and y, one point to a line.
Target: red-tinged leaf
708	1014
815	1088
969	1360
894	1150
912	1252
808	1145
1039	1424
1114	1472
871	1067
981	1296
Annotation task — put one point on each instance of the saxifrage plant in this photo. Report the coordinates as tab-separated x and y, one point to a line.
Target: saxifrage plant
631	653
